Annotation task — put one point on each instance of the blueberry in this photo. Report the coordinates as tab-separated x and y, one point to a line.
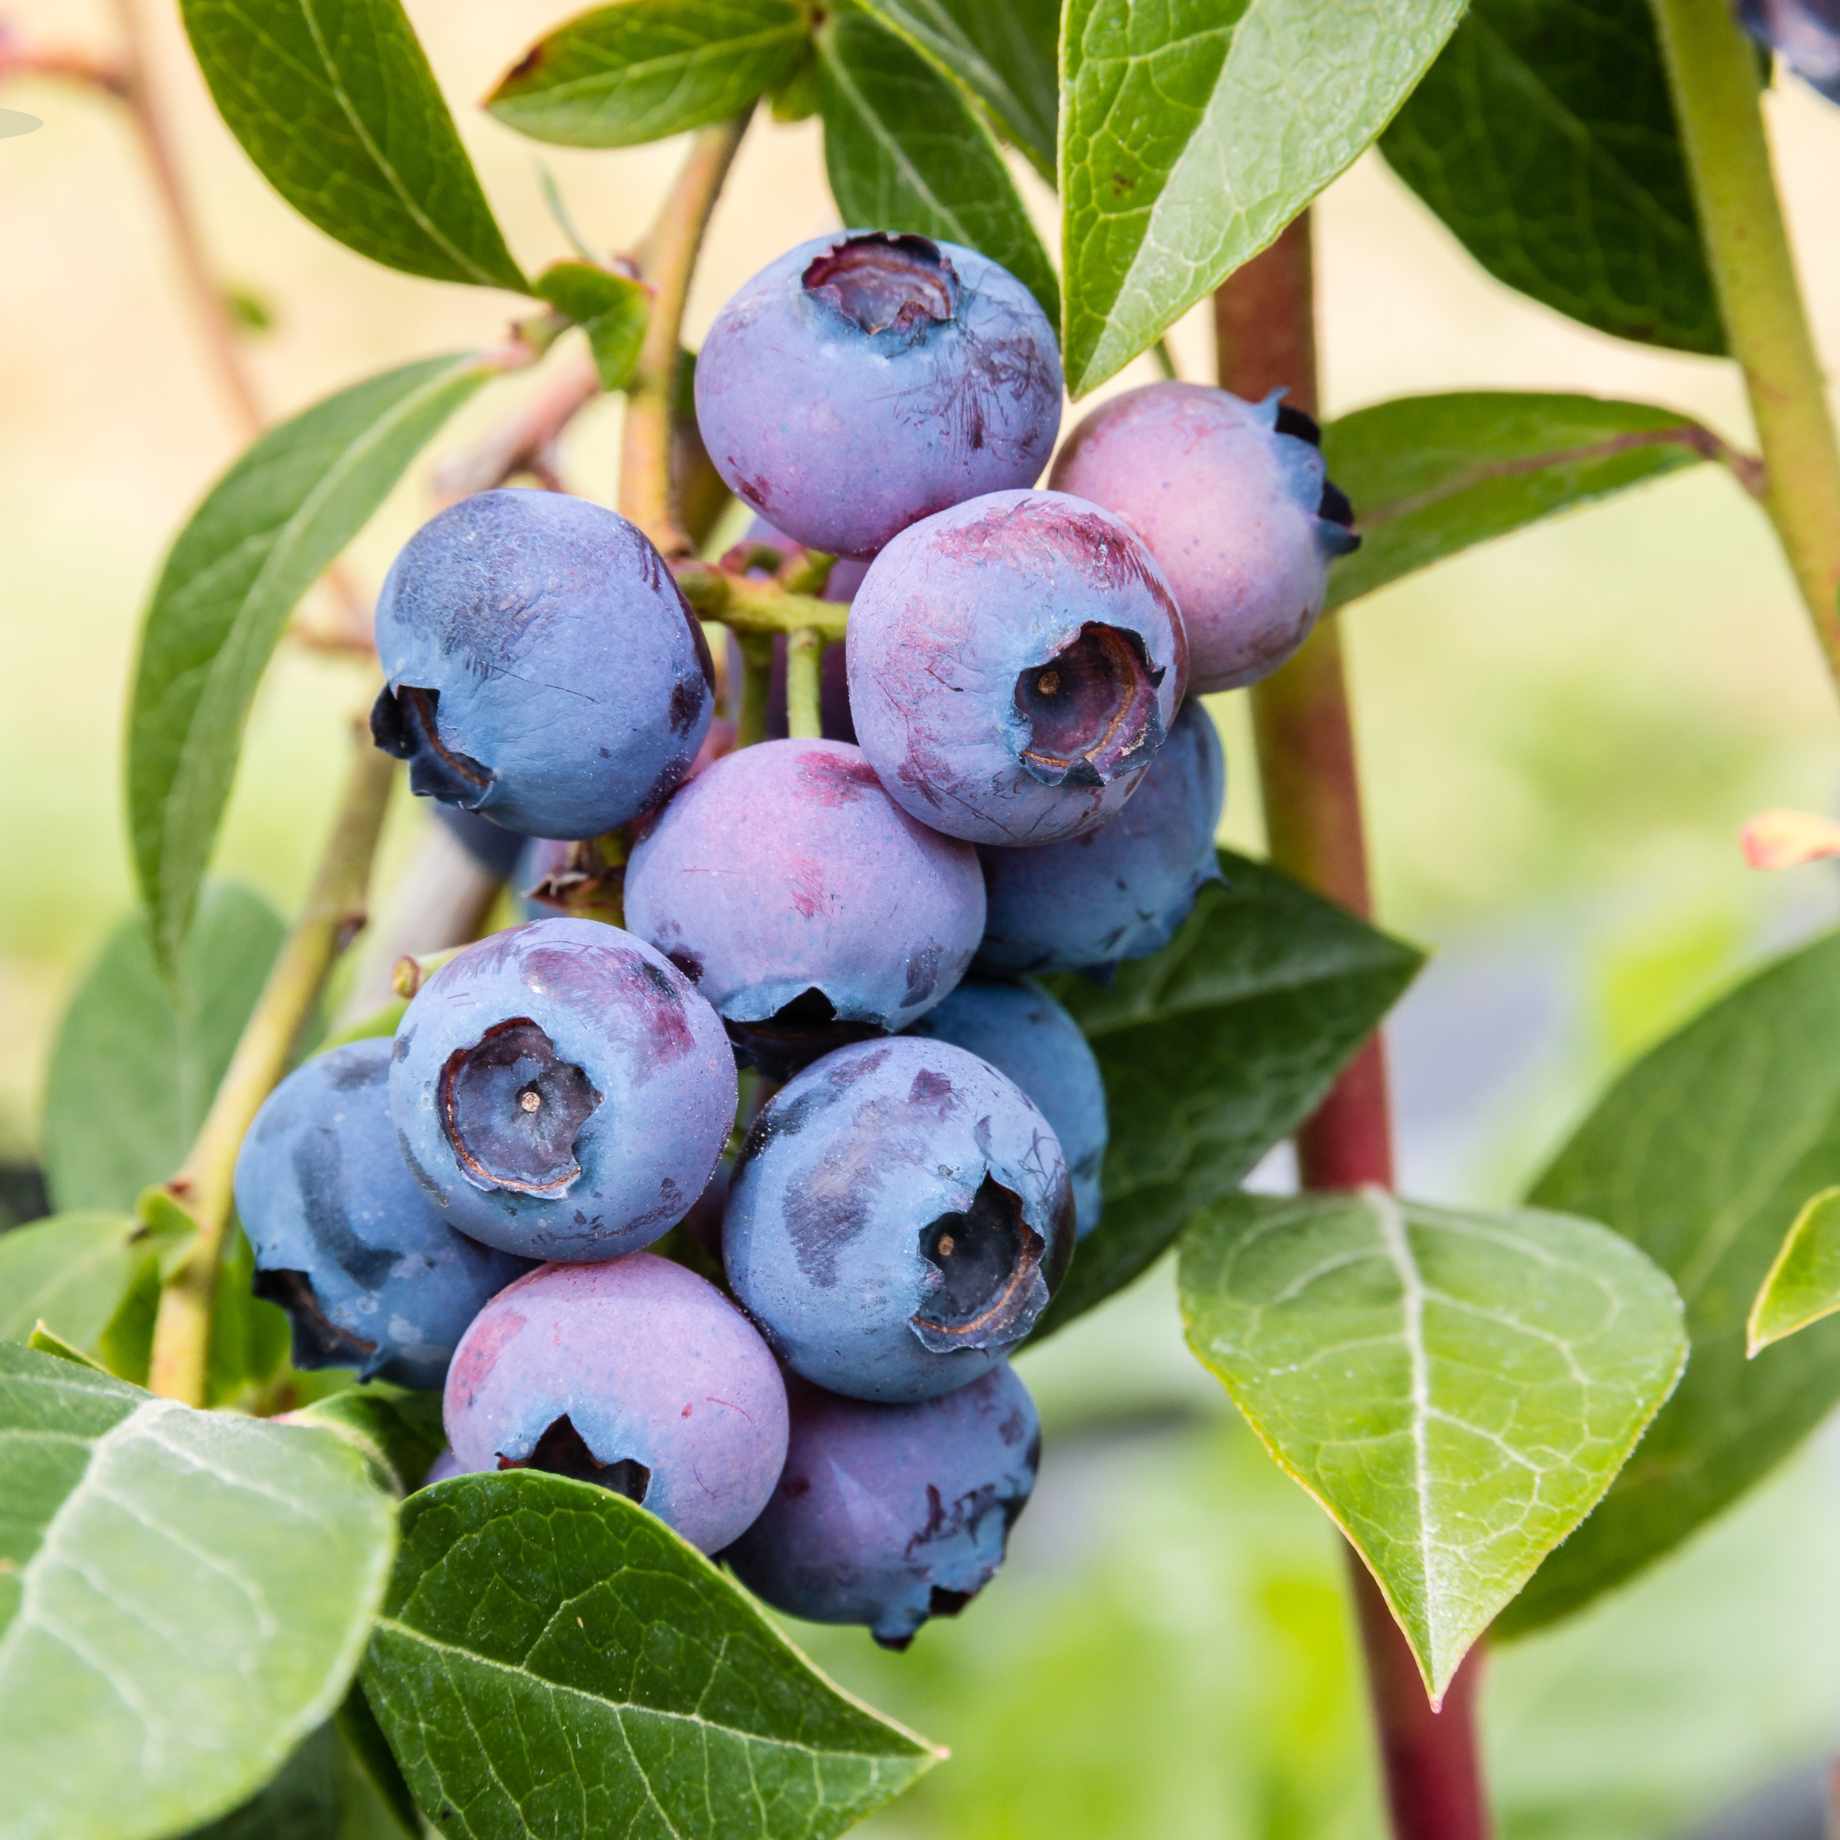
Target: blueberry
887	1515
798	896
1805	32
542	667
371	1276
1014	664
866	379
899	1217
1119	892
495	849
1025	1033
561	1091
443	1467
1231	498
635	1374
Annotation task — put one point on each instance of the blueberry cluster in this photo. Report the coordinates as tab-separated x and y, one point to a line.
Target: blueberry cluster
1010	782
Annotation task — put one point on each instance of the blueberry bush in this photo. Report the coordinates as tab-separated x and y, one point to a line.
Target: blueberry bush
422	1405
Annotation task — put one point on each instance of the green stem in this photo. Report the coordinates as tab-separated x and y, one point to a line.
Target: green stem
331	916
804	658
756	674
746	605
670	252
1712	70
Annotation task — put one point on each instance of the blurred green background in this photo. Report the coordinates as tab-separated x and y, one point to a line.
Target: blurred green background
1561	735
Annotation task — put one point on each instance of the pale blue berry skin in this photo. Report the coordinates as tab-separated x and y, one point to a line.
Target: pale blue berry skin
1805	33
370	1275
495	849
633	1077
572	685
1120	892
887	1515
444	1468
864	381
651	1366
843	1184
966	617
1231	499
1026	1033
784	869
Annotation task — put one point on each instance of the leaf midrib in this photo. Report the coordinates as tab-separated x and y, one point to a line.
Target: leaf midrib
392	178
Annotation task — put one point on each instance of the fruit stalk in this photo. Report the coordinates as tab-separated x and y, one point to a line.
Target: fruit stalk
668	262
329	919
1265	336
1712	71
804	656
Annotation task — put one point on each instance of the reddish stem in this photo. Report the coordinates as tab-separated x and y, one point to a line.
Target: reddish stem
1265	335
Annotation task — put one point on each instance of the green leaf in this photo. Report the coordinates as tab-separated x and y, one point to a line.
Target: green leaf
1214	1050
182	1594
1802	1286
300	1803
1545	139
396	1429
1003	57
92	1278
263	534
552	1659
251	1338
137	1057
613	310
46	1340
334	102
1429	476
1699	1153
341	1784
644	69
370	1766
1193	131
1456	1389
905	151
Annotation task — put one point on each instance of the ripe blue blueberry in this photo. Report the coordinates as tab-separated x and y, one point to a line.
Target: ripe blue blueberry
1806	33
798	896
1119	892
865	380
1027	1034
561	1091
444	1466
635	1374
887	1515
898	1219
371	1276
542	667
495	849
1231	499
1014	665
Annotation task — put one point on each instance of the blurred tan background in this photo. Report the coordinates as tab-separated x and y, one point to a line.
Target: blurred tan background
1561	736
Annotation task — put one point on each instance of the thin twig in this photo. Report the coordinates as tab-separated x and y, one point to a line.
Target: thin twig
62	64
668	261
209	306
330	918
527	442
348	629
804	662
